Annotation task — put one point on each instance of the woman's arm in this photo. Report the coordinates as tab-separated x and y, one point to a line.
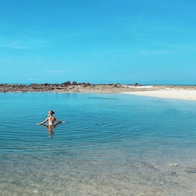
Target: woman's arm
59	121
41	123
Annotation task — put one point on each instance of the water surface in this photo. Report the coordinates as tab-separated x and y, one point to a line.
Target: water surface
111	144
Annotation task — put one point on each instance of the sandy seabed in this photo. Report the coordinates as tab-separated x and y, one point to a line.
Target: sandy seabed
80	177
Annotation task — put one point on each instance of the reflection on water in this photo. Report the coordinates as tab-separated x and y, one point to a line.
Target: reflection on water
109	145
50	128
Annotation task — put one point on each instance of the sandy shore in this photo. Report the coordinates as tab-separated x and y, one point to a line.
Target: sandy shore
183	93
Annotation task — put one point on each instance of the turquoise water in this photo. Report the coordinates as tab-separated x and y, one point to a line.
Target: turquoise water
111	144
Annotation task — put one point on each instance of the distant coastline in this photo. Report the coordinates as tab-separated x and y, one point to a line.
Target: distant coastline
74	87
66	87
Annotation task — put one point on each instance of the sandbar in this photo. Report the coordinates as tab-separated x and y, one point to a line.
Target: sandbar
170	93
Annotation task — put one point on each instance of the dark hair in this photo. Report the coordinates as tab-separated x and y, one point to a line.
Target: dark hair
52	111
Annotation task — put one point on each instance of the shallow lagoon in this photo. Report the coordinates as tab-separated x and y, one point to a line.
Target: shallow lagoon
111	144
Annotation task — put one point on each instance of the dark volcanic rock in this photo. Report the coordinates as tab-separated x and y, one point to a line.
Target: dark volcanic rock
74	83
117	85
137	84
66	83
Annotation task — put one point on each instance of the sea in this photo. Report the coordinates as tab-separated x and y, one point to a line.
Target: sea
109	145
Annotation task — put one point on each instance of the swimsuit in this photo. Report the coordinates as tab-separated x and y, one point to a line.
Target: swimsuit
50	123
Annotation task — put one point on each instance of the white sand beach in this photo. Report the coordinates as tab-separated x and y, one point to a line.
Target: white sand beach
172	93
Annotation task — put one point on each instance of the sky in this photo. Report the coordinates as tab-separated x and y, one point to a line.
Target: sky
98	41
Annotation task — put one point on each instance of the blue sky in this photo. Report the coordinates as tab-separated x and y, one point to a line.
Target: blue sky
98	41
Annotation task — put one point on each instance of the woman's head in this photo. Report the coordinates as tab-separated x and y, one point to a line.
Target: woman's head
51	112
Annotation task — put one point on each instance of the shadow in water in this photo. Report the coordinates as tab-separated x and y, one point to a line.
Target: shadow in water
51	128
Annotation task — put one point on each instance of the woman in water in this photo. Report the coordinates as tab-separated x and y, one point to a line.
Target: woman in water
51	122
50	119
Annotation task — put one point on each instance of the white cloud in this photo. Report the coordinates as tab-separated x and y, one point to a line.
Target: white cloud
33	79
22	41
14	45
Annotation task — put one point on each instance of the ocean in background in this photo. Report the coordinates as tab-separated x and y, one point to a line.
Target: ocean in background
111	144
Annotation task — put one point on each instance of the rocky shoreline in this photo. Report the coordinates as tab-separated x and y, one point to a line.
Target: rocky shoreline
65	87
85	87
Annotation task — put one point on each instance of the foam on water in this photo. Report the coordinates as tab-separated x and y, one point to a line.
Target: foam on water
111	144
